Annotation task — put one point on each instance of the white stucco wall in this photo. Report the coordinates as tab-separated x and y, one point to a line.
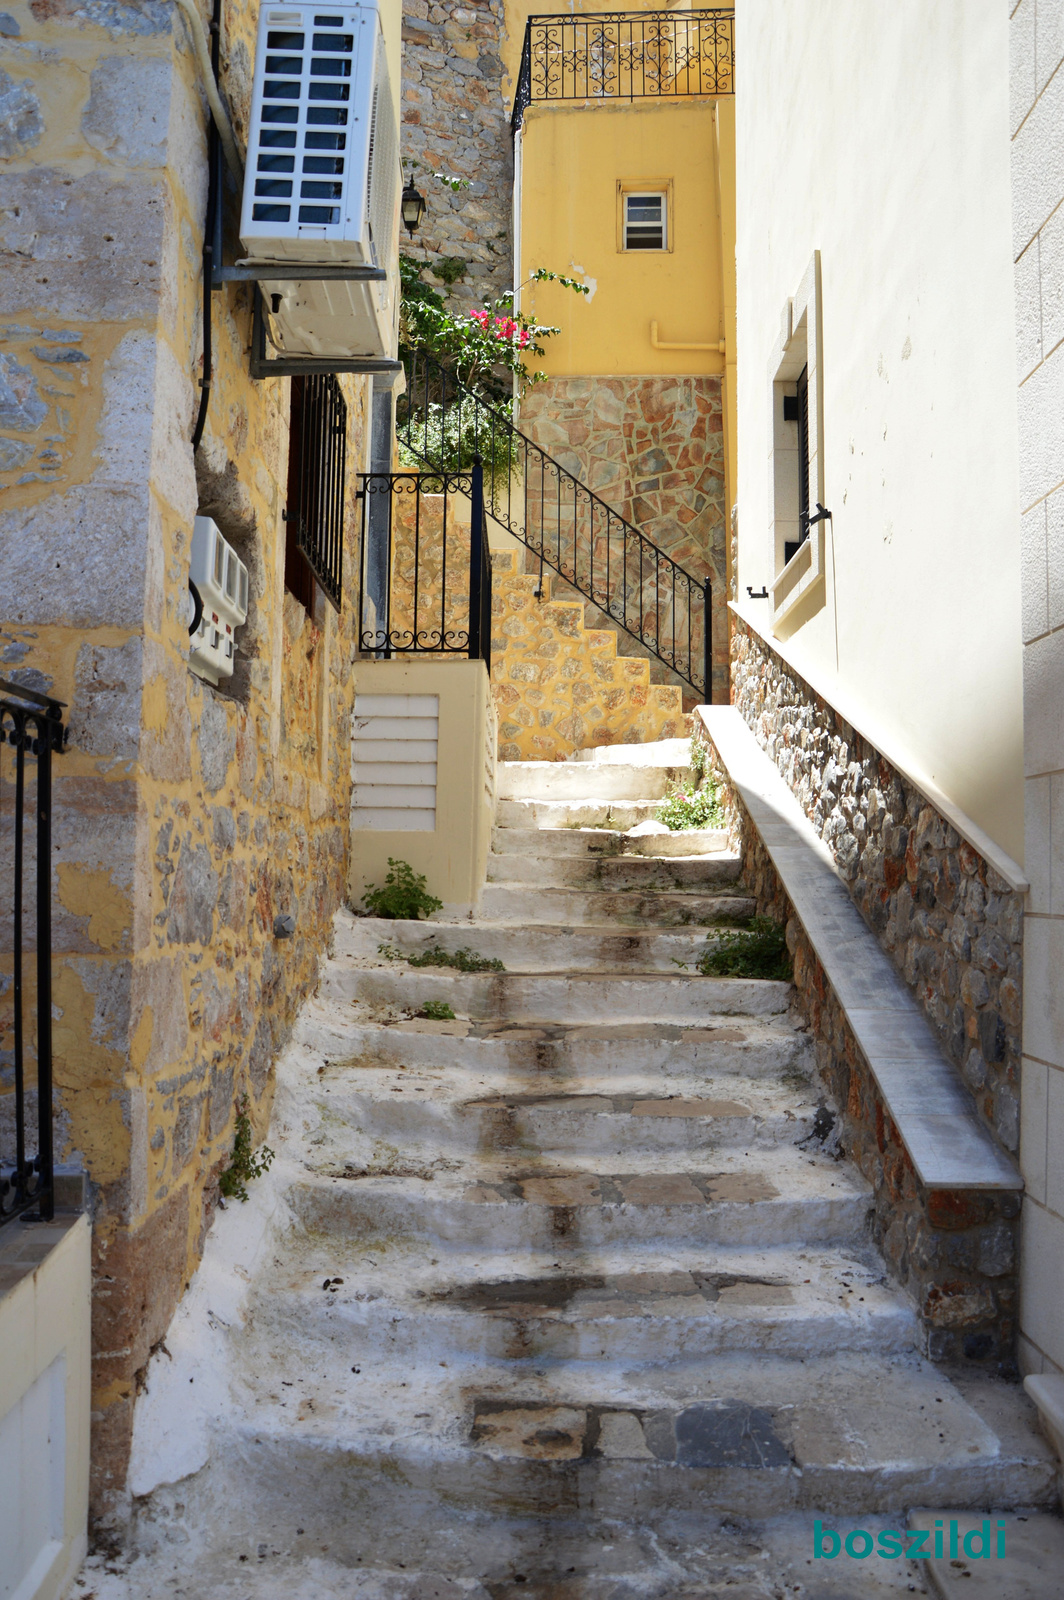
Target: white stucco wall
878	135
1038	208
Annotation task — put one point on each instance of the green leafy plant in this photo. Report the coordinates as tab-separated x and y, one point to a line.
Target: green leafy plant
450	269
437	1011
692	808
402	896
757	951
462	960
450	439
245	1163
475	345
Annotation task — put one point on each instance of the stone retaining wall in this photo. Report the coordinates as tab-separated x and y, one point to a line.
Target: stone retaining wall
455	121
952	926
954	1251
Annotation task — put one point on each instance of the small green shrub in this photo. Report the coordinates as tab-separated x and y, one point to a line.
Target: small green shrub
448	268
462	960
757	951
692	808
437	1011
403	895
245	1163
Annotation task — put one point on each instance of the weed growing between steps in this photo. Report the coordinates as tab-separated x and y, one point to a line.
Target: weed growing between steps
246	1163
462	960
757	951
437	1011
403	897
692	808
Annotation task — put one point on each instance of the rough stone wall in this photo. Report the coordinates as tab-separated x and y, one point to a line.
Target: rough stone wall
560	686
456	121
955	1251
653	449
952	926
186	818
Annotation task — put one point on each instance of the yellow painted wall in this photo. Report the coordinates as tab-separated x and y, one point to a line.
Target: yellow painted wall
571	160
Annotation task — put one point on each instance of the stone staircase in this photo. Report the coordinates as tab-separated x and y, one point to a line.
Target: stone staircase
560	686
569	1297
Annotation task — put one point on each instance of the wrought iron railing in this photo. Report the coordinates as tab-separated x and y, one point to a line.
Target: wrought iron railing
425	574
636	585
626	55
31	728
317	470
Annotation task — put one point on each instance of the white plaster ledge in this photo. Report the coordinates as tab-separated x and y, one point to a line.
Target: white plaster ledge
932	1110
1047	1392
999	859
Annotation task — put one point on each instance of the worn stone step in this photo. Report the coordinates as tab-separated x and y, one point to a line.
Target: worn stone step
675	1304
606	842
765	1198
562	996
554	1054
654	753
457	1112
392	1454
566	780
557	815
616	873
676	908
528	949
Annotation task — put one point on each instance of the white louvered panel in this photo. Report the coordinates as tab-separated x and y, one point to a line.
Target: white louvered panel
393	766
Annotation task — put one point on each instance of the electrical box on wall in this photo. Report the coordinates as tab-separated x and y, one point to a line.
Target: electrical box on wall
218	586
323	178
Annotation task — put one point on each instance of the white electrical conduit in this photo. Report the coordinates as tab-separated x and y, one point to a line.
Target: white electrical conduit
198	35
717	346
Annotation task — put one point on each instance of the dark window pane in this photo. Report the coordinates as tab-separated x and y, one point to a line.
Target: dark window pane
280	91
277	163
320	214
284	64
263	213
323	163
329	115
334	41
284	41
277	138
330	91
278	186
280	113
326	141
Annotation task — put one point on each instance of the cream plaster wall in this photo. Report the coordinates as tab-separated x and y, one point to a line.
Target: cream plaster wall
878	135
454	855
1037	71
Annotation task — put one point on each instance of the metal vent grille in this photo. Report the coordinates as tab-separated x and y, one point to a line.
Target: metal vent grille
301	152
382	182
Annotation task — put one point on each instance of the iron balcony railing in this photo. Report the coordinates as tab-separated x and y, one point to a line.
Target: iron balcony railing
626	55
636	585
31	728
425	574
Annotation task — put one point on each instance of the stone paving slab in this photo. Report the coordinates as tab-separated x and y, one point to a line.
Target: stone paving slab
972	1564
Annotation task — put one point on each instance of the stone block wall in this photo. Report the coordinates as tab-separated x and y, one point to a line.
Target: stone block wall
955	1251
186	818
950	923
652	448
456	121
560	686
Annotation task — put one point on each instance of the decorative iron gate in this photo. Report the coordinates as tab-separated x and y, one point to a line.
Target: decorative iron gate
425	573
31	728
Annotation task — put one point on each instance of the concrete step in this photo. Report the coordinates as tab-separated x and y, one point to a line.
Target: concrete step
616	873
574	780
726	1197
562	996
392	1457
553	1054
527	949
606	842
675	1305
614	815
425	1112
625	908
654	753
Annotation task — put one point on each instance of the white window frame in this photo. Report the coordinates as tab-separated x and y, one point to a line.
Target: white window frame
659	188
800	345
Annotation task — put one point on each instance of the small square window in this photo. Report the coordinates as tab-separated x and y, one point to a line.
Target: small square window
645	221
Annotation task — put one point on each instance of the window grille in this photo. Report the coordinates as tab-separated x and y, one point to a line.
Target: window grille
317	471
796	409
645	222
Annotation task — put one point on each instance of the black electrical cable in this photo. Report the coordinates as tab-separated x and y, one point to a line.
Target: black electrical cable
213	199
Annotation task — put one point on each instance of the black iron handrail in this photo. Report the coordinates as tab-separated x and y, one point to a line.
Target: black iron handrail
32	724
638	586
626	55
424	586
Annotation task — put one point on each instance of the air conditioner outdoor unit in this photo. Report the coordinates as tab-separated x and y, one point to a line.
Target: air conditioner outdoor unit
323	178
